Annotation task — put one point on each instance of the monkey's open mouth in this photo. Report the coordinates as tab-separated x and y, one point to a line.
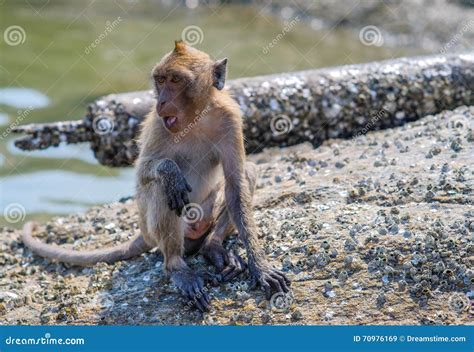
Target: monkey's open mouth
170	121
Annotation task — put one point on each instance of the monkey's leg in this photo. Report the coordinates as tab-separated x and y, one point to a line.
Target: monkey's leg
191	284
166	228
228	263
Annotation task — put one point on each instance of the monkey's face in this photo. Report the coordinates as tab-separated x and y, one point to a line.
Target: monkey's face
184	80
172	103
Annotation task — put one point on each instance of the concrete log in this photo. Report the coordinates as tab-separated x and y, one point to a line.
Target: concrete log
288	108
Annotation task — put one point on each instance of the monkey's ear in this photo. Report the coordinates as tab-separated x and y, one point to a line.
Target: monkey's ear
219	73
179	46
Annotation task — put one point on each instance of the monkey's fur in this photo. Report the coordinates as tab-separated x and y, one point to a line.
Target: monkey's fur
191	151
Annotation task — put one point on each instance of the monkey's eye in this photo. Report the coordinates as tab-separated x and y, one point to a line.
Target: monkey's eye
175	78
160	79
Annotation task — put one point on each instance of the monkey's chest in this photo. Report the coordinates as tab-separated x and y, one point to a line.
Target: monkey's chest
202	161
203	173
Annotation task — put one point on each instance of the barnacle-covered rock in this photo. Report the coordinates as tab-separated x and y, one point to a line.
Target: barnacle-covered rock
338	102
361	238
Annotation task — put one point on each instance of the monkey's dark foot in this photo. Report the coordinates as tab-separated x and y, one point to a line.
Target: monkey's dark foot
194	286
270	279
229	264
234	267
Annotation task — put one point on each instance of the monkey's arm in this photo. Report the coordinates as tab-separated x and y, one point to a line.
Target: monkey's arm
170	176
238	201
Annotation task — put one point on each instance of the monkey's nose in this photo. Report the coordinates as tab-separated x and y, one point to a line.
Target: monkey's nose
161	106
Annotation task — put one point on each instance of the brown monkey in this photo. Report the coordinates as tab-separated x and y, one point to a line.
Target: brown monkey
191	155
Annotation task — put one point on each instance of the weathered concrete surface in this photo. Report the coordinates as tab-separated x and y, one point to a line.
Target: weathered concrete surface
393	209
287	109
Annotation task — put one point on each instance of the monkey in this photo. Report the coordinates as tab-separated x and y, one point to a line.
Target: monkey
191	154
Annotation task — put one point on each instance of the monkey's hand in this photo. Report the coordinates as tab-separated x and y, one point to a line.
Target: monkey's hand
229	264
193	286
270	279
174	184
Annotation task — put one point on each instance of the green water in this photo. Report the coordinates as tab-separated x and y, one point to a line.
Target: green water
55	59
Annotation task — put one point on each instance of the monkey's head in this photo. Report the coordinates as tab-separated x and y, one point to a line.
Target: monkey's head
184	81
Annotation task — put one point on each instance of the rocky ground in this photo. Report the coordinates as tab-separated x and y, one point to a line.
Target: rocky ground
374	230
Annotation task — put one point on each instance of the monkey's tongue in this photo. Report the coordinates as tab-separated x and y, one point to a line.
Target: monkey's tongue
170	121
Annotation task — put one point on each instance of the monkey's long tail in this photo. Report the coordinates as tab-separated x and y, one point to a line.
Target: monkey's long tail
135	246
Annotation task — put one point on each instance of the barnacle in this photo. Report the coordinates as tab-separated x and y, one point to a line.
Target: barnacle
343	276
